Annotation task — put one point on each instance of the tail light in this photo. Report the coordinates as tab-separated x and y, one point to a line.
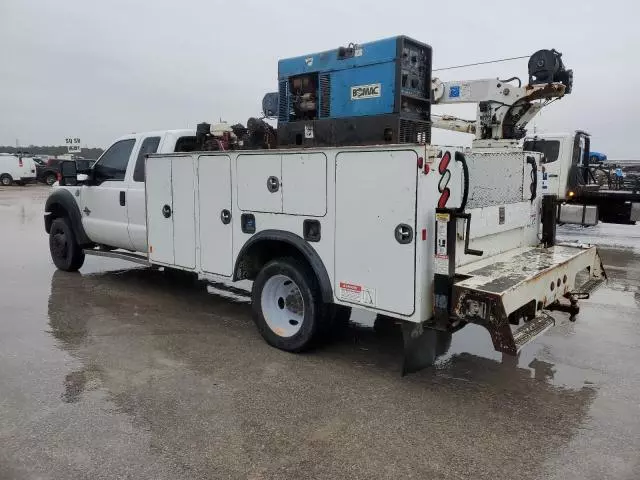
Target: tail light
58	177
20	162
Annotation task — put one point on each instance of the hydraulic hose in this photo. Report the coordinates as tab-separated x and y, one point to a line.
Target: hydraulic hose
459	157
534	177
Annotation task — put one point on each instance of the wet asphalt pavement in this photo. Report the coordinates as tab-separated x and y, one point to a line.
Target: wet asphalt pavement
119	372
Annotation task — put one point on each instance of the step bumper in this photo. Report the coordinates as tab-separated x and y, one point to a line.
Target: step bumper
518	287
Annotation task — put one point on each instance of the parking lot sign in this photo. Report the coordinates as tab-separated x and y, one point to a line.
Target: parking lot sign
73	144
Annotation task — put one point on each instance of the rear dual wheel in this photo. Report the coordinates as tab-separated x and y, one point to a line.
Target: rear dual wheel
287	305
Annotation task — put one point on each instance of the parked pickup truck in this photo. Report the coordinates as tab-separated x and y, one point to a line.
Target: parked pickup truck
48	172
110	205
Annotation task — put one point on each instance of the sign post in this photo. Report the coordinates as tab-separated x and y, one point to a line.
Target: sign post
73	144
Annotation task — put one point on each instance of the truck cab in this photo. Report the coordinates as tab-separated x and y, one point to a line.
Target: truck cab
568	171
109	198
564	155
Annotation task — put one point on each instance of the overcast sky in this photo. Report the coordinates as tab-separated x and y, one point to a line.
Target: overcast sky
100	69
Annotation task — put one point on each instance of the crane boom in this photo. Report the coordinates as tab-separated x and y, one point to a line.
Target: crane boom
504	108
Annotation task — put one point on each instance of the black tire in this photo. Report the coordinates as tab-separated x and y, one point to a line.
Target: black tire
6	180
50	179
66	254
314	312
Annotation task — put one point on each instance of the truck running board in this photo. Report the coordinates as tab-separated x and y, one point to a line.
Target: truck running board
131	257
519	285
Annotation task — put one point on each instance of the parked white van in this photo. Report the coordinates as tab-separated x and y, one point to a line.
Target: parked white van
14	169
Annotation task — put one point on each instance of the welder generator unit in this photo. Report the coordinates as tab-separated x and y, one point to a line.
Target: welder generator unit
374	93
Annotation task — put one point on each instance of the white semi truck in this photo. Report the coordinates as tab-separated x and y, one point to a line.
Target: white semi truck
569	174
432	237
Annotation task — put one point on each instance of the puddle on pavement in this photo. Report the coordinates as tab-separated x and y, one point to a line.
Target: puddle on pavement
468	357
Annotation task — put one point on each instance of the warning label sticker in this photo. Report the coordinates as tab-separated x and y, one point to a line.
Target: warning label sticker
351	292
441	235
442	266
442	254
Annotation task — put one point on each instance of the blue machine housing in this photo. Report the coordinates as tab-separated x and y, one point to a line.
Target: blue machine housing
388	80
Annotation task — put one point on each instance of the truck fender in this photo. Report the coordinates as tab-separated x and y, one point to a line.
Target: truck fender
61	203
269	244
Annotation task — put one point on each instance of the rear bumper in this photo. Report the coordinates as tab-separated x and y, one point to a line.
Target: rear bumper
520	285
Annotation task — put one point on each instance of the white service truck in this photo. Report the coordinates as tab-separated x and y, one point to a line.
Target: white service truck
432	237
392	229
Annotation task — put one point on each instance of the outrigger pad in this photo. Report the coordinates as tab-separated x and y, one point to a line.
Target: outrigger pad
422	345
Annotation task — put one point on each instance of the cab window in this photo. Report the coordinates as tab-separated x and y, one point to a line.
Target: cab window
112	165
149	145
550	149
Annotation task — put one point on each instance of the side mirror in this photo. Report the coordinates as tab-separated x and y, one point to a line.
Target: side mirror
82	177
68	173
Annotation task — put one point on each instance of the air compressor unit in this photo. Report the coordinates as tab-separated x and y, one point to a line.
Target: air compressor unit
372	93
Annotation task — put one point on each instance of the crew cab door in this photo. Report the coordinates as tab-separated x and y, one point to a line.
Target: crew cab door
135	195
103	202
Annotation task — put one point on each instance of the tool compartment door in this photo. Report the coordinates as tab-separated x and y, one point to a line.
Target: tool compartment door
304	184
375	229
259	182
214	190
183	181
159	205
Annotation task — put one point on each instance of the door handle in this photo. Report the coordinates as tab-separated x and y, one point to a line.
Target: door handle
166	211
123	199
404	233
225	216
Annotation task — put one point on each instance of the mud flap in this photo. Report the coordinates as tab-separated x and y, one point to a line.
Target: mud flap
422	346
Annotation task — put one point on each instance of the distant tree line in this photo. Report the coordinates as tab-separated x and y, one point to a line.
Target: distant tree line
89	153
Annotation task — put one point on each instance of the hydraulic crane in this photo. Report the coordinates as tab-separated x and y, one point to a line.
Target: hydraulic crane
504	108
